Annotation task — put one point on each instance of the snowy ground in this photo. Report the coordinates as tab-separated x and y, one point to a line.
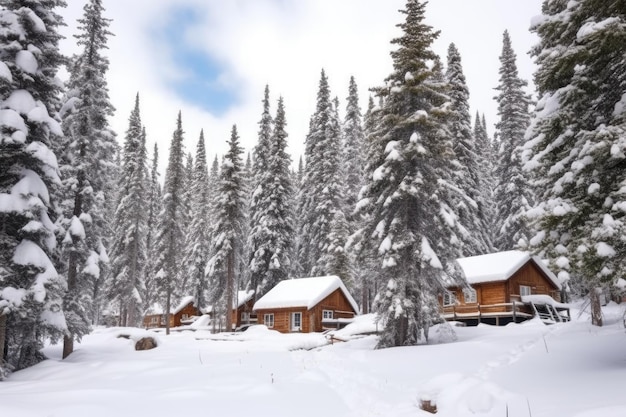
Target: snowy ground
568	370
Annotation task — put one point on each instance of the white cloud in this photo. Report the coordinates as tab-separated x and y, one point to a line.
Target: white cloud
285	43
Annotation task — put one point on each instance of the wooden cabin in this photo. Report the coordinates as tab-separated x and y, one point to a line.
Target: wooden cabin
244	312
306	305
503	288
182	314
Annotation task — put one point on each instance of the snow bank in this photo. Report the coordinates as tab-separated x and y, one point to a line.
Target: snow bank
457	395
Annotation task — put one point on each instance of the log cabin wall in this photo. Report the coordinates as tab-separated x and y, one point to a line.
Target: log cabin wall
282	318
336	302
187	311
531	275
152	321
245	308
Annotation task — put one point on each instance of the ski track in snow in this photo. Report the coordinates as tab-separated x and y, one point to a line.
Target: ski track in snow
515	354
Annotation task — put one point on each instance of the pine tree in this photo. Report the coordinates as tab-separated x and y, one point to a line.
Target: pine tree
259	237
354	147
362	245
486	175
88	167
155	200
512	193
274	231
576	146
467	174
320	192
170	235
128	250
228	229
198	238
407	197
31	290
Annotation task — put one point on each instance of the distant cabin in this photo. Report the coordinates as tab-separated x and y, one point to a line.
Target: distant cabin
182	314
505	287
306	305
244	310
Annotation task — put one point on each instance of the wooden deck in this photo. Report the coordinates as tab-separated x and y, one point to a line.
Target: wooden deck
496	314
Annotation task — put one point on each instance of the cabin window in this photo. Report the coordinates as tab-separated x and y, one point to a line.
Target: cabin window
524	290
296	322
268	320
154	320
245	316
449	298
185	316
327	314
470	295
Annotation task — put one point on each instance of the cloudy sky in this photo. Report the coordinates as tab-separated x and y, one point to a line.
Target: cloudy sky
212	58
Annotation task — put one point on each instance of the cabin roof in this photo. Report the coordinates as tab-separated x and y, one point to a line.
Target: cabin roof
303	292
500	266
157	308
243	296
184	302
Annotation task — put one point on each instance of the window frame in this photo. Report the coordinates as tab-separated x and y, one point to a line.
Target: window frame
329	316
267	319
473	298
530	290
451	297
293	326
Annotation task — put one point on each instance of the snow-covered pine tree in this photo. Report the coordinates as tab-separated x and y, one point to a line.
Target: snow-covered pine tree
155	205
31	290
469	204
228	229
279	211
87	166
362	245
486	171
170	237
335	258
576	143
259	238
181	286
512	194
198	241
408	195
320	191
128	250
354	149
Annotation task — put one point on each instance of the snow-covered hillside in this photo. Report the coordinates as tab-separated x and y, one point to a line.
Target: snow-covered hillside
564	370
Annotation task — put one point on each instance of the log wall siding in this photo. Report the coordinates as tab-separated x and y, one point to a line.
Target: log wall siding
532	276
188	311
244	308
311	319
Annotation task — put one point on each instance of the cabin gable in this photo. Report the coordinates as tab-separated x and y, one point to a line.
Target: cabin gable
532	276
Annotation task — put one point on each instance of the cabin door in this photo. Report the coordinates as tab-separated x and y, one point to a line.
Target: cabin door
296	322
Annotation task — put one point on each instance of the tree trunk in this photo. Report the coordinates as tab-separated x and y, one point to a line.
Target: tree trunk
364	296
3	335
72	272
230	279
168	303
596	308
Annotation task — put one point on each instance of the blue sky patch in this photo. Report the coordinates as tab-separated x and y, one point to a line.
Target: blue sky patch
198	83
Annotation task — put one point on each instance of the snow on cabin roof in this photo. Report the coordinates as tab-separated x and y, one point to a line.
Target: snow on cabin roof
500	266
183	303
243	297
303	292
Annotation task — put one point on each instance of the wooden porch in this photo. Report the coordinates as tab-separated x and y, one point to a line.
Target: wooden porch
504	313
